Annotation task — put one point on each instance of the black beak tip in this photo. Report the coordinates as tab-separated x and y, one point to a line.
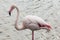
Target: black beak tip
10	13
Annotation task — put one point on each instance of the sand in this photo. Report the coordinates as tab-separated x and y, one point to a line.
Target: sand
49	10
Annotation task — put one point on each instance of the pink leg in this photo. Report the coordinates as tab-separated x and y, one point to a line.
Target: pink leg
32	35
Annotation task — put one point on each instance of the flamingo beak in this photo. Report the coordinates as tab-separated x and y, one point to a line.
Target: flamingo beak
9	13
11	9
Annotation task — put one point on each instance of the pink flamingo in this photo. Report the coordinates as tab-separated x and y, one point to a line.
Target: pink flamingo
30	22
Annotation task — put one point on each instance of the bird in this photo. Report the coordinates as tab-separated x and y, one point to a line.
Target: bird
31	22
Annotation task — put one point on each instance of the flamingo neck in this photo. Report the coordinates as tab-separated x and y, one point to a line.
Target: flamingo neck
16	21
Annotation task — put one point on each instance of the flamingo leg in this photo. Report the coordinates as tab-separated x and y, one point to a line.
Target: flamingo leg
32	35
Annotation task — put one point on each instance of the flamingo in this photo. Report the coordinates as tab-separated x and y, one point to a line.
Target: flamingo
31	22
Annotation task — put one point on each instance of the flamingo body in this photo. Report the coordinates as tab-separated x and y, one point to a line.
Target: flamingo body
30	22
33	22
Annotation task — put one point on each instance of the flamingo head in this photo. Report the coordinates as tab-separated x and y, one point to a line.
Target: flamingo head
11	9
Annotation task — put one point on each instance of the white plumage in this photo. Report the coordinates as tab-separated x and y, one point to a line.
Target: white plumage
30	22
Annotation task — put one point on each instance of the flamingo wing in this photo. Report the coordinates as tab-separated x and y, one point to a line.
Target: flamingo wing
33	22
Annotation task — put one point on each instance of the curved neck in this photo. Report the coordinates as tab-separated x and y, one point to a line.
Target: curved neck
16	21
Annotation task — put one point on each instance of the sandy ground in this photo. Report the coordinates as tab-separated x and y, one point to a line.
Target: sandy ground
49	10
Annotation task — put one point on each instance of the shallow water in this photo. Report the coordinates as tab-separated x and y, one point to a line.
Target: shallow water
49	10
